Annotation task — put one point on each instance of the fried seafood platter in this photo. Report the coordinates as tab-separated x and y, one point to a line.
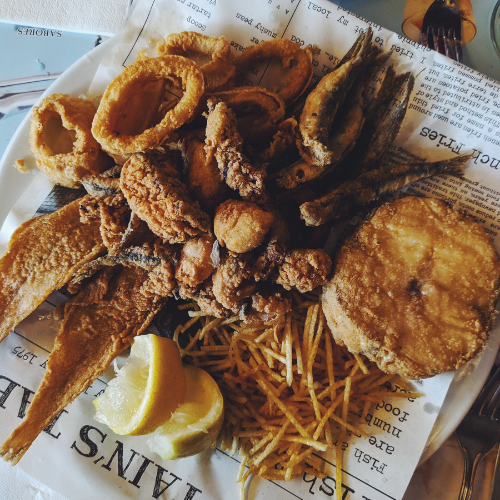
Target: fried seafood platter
222	200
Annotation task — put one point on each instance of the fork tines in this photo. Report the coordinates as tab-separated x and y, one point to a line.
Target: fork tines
448	44
488	401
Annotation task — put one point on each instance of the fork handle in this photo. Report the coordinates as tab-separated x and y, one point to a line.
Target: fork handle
470	468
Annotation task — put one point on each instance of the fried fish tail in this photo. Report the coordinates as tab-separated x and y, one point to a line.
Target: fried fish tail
371	185
42	255
99	323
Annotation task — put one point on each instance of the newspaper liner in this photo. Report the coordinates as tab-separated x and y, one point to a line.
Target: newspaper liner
453	110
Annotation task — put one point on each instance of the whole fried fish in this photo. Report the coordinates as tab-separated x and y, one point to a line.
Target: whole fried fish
99	323
42	255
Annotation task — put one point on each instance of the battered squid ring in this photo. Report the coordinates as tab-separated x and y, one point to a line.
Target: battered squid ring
257	110
288	51
218	71
177	69
61	140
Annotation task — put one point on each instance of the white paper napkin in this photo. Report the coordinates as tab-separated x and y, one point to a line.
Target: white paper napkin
98	17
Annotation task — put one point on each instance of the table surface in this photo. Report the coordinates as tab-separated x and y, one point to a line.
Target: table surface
437	479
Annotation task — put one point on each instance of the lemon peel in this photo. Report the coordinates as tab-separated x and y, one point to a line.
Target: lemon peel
195	425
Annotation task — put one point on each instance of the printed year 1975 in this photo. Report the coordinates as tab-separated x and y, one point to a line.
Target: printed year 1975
23	354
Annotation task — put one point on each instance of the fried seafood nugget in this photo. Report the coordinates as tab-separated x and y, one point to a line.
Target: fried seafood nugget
268	307
304	270
225	144
291	55
233	282
42	255
414	288
241	226
202	176
218	71
267	263
153	189
118	94
99	323
195	263
61	140
206	300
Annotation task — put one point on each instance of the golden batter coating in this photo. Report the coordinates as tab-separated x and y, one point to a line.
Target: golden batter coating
152	186
240	225
304	269
233	282
43	254
414	288
195	263
202	177
61	140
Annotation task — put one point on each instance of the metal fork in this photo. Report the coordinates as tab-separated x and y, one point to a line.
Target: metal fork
479	431
442	29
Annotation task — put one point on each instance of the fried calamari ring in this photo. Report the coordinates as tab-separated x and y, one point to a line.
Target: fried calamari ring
257	110
221	67
291	55
176	69
62	142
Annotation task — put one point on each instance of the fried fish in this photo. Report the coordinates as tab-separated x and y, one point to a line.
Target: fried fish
99	323
42	255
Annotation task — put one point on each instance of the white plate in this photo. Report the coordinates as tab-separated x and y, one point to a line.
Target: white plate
75	81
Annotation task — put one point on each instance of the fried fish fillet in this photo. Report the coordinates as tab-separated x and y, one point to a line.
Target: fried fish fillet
42	255
99	323
414	288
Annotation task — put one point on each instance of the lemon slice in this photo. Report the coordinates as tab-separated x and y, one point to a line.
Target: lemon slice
146	390
196	423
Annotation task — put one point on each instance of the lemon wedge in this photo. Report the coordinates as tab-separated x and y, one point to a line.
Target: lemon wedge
196	423
146	390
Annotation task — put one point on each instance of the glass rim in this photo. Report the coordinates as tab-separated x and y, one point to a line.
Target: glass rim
493	28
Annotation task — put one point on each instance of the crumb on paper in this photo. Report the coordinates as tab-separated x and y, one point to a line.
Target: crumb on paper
20	164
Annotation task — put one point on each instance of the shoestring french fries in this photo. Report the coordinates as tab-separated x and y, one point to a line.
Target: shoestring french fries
290	391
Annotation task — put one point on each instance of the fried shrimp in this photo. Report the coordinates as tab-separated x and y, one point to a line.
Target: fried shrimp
292	56
153	189
176	69
62	142
218	71
414	288
225	144
241	226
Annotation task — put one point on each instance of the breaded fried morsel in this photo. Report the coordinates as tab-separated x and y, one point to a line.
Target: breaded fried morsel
240	226
414	288
152	186
304	269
